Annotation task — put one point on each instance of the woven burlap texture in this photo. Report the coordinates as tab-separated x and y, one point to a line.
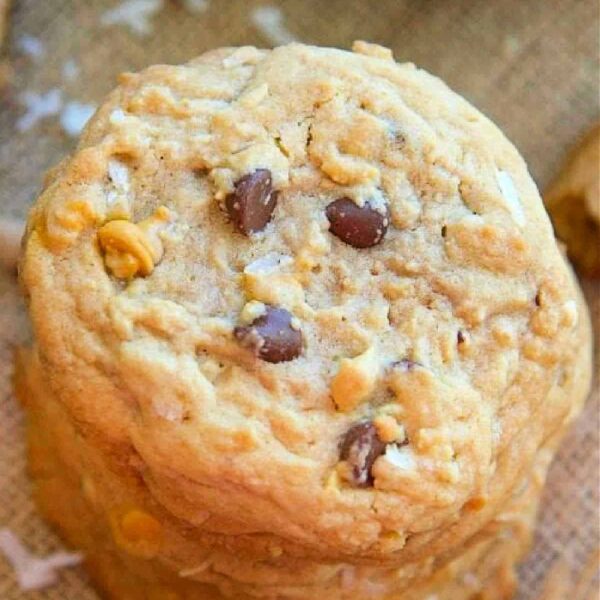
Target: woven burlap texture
531	66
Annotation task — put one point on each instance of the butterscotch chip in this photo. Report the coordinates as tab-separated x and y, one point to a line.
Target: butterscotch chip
137	532
355	380
131	249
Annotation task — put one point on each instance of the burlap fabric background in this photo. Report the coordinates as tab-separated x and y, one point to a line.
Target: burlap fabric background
531	65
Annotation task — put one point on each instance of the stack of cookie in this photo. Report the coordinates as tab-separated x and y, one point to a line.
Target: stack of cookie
301	331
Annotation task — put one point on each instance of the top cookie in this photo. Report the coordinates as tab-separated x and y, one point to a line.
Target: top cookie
312	296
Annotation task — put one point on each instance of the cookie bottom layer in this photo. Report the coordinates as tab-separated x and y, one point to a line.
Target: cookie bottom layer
101	511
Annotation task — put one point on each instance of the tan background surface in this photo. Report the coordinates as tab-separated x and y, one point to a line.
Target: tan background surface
531	65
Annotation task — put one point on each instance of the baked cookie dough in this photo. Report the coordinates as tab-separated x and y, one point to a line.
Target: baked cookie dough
573	201
294	310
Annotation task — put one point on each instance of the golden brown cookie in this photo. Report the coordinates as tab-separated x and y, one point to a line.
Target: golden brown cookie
294	311
573	201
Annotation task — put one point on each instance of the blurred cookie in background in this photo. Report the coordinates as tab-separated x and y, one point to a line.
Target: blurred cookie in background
573	201
5	70
4	6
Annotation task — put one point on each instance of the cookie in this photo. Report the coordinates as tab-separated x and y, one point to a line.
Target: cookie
573	201
295	309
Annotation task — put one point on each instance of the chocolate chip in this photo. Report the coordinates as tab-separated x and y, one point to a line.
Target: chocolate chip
252	203
460	337
358	226
272	336
360	448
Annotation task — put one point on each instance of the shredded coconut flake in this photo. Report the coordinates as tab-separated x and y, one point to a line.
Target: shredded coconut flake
269	21
510	194
74	117
38	107
402	458
196	6
134	14
268	263
119	175
31	47
34	573
377	202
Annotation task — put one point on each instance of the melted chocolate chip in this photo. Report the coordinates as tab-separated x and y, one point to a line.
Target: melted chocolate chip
271	336
360	447
251	205
460	337
358	226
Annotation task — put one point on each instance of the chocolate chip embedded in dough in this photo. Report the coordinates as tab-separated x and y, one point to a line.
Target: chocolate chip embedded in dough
251	205
358	226
360	448
273	336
